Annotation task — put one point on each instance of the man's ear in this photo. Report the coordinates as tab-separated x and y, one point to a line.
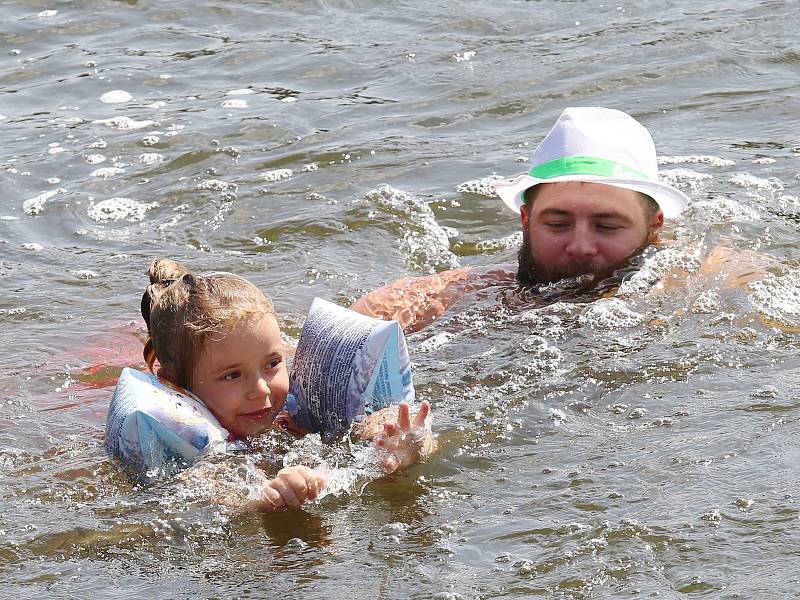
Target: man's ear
655	225
523	215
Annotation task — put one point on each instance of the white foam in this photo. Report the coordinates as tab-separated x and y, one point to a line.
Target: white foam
125	123
33	246
777	297
215	185
150	158
682	177
764	161
240	92
35	206
277	175
106	172
465	56
234	103
115	97
481	187
748	181
150	140
720	210
85	274
289	99
47	13
508	242
3	117
119	209
706	303
94	159
713	161
434	342
658	266
610	313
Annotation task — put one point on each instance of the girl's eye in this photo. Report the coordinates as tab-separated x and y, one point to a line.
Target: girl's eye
274	363
231	376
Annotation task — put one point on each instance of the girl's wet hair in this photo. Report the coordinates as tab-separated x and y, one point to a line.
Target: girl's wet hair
184	311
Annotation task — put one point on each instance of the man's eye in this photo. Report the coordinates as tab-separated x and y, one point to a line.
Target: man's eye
609	227
557	225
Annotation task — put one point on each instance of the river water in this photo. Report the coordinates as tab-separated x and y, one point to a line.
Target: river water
646	444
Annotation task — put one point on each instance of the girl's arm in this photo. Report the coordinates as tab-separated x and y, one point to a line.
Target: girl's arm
253	490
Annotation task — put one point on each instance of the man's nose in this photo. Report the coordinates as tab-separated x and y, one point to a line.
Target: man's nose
582	244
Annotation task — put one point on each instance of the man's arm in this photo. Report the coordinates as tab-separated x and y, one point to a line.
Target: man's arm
416	302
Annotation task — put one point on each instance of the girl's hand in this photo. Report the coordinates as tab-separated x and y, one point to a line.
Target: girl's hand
290	489
404	441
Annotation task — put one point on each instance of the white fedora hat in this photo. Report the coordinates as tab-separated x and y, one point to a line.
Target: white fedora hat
596	145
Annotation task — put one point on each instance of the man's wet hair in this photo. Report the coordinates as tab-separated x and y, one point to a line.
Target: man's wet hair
650	206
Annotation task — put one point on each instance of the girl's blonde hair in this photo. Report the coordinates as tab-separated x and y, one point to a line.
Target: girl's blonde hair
183	311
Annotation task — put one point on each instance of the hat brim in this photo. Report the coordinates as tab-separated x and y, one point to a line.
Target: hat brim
671	200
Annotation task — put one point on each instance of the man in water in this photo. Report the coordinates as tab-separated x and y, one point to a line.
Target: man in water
590	202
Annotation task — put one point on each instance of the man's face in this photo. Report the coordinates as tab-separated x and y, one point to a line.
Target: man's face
575	228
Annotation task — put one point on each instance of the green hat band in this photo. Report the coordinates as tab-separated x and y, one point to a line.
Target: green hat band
585	165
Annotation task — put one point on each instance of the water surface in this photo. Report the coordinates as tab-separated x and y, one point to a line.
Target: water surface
642	444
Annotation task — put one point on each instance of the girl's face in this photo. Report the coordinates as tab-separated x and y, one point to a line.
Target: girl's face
242	378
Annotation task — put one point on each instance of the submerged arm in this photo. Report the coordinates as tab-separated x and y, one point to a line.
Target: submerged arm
415	302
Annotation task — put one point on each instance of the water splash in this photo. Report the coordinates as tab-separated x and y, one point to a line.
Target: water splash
425	244
777	297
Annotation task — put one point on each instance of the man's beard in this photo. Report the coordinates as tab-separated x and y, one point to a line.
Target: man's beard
533	273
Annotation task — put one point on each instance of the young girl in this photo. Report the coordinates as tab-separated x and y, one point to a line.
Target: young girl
217	336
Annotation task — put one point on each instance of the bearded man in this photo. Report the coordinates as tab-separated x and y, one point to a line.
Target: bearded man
590	203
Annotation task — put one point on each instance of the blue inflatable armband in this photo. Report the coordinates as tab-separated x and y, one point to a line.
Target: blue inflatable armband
156	428
346	365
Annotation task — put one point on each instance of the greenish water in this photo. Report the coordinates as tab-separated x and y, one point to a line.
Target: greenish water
643	444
